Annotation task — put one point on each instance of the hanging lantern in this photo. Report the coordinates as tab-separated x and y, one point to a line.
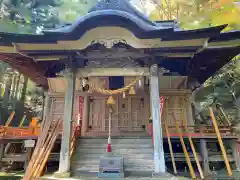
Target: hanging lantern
132	91
124	95
110	100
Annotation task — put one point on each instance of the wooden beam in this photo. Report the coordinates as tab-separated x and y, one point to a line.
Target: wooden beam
204	154
87	72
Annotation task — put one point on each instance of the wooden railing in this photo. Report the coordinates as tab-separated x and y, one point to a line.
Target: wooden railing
28	132
202	130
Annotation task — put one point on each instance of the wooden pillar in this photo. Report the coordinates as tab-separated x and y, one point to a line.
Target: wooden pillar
204	154
85	115
46	107
29	151
159	160
4	113
64	163
236	155
8	84
24	89
2	146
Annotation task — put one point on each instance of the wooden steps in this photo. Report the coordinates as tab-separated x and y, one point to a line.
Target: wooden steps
137	153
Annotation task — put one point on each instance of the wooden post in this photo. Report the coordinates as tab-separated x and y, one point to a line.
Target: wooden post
204	154
8	85
170	148
24	89
29	151
46	107
85	115
64	163
159	160
192	173
225	157
192	144
236	154
2	146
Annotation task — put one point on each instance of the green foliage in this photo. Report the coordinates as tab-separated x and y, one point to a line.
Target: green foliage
70	10
28	16
223	88
194	14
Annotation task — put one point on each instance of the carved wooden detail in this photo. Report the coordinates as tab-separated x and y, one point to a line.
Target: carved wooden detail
99	82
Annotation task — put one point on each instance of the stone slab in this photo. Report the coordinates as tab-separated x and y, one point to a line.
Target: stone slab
62	175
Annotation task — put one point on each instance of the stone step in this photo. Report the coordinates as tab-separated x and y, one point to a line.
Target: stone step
126	161
95	168
137	153
126	156
115	151
104	145
115	141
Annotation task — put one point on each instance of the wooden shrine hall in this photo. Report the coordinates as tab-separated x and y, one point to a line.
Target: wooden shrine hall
106	74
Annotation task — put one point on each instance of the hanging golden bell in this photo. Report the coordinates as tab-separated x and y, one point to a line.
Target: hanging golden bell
110	100
132	91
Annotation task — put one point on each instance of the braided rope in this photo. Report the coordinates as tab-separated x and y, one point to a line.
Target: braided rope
117	91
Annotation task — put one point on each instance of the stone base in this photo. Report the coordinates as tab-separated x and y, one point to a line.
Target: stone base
164	176
62	174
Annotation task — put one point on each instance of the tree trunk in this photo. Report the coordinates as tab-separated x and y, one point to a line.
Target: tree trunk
24	89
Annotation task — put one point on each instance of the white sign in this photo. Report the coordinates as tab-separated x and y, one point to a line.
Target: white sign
29	143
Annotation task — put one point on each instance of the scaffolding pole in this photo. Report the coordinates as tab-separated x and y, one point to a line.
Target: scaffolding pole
226	160
192	173
170	148
192	145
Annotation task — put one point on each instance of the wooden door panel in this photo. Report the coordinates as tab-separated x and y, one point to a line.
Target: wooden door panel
174	105
137	113
123	124
96	114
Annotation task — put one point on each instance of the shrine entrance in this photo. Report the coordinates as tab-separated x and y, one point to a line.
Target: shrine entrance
129	115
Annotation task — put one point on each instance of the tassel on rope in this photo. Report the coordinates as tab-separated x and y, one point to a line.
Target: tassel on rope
132	91
110	100
140	83
124	95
